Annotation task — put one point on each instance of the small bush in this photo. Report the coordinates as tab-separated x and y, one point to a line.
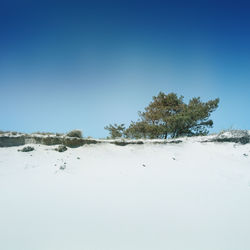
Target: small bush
61	148
75	133
26	149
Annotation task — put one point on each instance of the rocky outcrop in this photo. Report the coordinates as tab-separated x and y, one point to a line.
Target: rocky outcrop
10	141
72	142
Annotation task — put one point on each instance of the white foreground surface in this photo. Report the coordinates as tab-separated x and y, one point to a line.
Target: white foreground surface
189	196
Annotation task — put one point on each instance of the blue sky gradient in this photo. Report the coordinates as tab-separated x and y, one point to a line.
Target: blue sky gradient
85	64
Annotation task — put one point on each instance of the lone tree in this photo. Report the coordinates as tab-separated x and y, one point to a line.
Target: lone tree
168	116
115	131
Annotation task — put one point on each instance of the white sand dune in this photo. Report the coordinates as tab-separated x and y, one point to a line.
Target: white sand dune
187	196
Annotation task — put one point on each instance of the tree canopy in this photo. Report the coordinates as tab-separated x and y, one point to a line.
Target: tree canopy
168	116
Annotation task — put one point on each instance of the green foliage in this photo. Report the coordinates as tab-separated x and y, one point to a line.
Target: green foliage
143	129
115	131
168	116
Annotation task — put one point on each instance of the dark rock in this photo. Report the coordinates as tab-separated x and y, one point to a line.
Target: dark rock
10	141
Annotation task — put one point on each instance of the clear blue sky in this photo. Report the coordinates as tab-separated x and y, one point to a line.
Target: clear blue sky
85	64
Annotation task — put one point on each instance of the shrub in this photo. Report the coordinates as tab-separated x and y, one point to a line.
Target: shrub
61	148
75	133
26	149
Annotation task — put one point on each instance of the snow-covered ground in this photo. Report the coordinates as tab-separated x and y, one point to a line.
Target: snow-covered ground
187	196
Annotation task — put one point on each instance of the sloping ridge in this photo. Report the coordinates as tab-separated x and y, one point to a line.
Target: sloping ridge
9	140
